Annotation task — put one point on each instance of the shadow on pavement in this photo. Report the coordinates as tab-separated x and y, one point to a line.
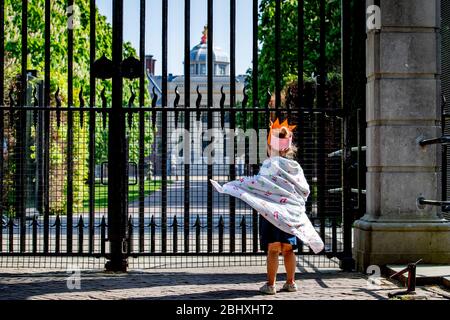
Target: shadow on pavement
209	295
26	285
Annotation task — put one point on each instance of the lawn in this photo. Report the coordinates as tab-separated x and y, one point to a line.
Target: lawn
101	193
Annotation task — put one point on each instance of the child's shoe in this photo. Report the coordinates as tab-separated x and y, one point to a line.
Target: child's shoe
268	289
290	287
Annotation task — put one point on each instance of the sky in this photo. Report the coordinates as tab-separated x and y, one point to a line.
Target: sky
176	29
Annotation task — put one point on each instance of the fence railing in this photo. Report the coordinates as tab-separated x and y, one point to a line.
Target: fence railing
43	226
105	178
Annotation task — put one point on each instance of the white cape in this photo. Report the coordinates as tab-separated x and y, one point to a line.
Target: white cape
279	193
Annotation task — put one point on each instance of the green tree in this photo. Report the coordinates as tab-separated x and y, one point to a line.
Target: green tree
289	37
59	71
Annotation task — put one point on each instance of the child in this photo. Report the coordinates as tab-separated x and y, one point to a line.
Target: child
279	193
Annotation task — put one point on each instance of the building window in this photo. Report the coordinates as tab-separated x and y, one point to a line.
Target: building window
221	69
192	68
203	69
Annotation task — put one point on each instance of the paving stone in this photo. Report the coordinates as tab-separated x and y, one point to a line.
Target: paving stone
238	283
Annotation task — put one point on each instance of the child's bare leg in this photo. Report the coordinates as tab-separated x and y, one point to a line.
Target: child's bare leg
289	262
272	262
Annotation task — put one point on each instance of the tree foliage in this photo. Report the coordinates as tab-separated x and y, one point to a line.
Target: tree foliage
79	17
289	42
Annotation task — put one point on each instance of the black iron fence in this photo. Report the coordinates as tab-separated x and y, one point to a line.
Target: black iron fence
189	225
107	179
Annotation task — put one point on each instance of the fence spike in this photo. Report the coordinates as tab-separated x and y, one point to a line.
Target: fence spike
221	223
57	222
268	98
155	98
102	222
154	103
80	222
34	221
288	105
245	100
222	97
244	106
58	106
243	223
34	224
174	222
221	227
152	234
57	226
11	234
103	235
244	113
12	103
131	105
130	221
36	105
81	98
11	223
132	97
197	222
175	234
152	222
175	105
80	234
130	234
104	106
197	226
334	235
82	103
243	226
222	105
198	103
267	105
58	98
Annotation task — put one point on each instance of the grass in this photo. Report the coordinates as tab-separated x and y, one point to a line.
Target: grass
101	193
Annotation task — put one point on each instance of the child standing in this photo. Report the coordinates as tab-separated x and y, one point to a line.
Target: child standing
279	193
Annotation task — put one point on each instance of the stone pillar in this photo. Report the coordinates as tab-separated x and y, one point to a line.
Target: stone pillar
403	107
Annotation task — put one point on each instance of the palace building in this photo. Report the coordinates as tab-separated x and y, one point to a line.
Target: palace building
199	81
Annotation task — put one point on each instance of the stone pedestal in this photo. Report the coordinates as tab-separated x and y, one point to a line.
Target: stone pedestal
403	107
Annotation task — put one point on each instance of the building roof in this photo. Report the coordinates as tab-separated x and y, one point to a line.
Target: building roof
200	53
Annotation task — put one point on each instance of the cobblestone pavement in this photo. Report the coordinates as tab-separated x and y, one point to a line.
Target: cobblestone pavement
206	283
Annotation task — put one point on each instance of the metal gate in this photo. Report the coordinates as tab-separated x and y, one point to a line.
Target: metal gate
107	179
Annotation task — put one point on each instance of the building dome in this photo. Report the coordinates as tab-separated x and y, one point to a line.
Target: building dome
199	54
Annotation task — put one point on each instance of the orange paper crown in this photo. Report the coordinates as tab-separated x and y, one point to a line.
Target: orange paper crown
277	125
